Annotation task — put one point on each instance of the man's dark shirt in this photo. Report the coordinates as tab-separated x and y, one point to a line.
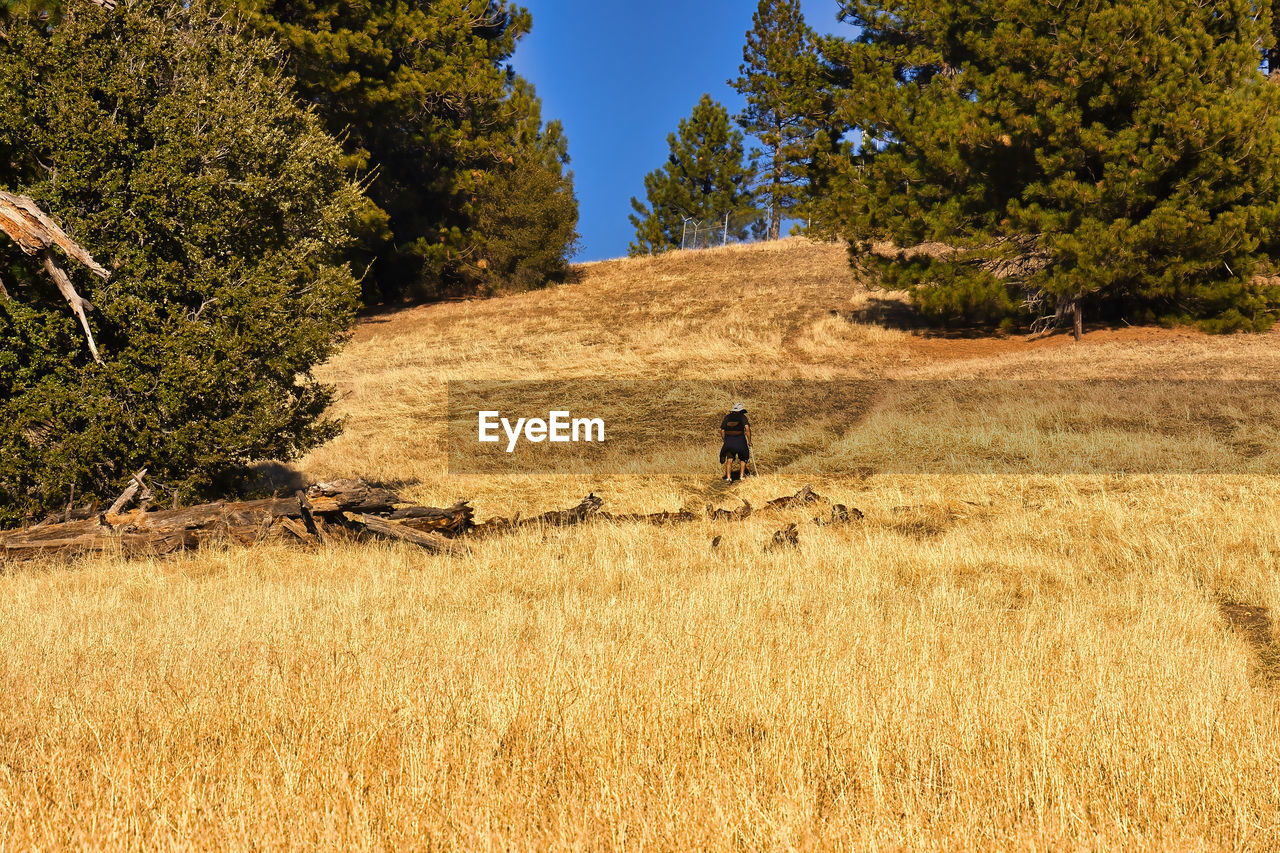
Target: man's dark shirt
734	423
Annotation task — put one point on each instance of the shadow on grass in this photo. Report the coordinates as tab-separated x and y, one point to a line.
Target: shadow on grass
280	478
900	314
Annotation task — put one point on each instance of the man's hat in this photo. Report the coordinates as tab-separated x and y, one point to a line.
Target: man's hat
738	407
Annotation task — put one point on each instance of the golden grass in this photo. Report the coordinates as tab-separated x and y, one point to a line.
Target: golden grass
1007	662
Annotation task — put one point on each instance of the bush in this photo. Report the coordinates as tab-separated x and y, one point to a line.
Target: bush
168	147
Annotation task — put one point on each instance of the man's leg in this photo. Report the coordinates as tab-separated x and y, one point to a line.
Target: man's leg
728	464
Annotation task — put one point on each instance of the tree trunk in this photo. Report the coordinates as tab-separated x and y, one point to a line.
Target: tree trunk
1077	319
775	208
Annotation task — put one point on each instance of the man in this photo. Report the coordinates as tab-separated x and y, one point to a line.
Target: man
735	430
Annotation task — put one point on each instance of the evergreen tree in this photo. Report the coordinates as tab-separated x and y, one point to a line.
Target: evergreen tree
1113	155
526	213
779	77
704	178
174	151
422	93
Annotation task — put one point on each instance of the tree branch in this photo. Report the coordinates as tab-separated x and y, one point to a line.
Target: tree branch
36	234
79	305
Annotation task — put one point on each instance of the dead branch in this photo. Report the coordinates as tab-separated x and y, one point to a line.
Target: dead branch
433	542
36	234
79	305
127	495
738	514
801	498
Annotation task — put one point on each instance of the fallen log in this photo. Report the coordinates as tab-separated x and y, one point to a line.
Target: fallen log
308	517
738	514
325	512
433	542
655	518
587	508
567	517
451	521
350	496
801	498
497	524
840	514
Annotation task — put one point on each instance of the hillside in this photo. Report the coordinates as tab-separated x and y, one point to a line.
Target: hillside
980	662
783	310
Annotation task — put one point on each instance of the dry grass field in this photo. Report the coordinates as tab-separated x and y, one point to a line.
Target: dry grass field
982	662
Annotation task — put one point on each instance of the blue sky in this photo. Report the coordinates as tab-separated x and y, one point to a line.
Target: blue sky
620	76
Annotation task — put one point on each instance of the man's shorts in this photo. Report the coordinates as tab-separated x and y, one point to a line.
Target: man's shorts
735	447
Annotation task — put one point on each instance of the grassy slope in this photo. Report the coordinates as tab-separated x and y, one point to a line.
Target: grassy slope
986	662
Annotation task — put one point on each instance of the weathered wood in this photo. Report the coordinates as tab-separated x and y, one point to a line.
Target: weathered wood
330	511
394	530
127	495
801	498
497	524
79	305
840	514
655	518
341	496
323	532
450	521
131	544
738	514
202	515
297	528
309	521
787	537
71	513
34	232
587	507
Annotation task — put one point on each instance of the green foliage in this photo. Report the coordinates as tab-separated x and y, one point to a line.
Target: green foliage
1117	155
430	112
704	178
168	146
525	213
780	78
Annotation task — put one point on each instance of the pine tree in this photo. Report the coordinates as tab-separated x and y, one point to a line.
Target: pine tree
1119	156
421	92
779	77
704	179
526	214
171	148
